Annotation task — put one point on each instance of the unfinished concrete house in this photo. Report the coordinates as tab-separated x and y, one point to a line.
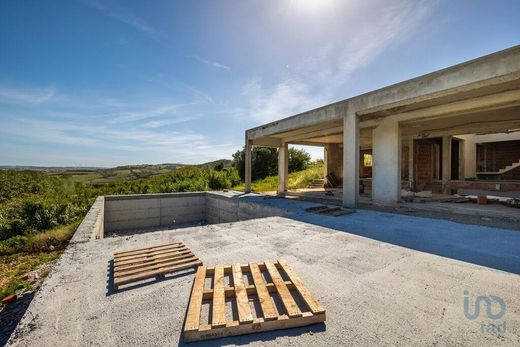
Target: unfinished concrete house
456	128
132	275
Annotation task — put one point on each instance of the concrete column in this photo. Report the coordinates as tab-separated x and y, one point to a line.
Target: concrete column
325	159
350	159
248	167
446	158
386	166
462	161
283	168
334	160
470	155
411	162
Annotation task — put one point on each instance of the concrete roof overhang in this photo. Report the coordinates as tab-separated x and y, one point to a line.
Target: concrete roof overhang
471	89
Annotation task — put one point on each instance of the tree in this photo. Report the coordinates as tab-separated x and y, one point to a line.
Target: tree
298	159
264	162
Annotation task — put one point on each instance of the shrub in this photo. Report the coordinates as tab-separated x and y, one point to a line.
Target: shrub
264	162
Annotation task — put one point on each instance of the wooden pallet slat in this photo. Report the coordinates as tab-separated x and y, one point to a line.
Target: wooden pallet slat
144	263
266	303
270	319
218	317
193	317
148	249
287	299
244	310
132	256
306	294
155	266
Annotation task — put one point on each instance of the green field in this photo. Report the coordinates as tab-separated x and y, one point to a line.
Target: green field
40	210
295	180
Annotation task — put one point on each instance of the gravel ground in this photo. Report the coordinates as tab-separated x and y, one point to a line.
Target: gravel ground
375	293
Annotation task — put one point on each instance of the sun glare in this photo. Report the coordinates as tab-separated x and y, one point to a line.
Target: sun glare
313	6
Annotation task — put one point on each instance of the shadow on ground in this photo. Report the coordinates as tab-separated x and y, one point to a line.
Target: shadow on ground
11	315
491	247
110	279
259	336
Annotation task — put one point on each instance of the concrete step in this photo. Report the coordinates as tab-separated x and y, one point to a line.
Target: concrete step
501	171
435	187
317	183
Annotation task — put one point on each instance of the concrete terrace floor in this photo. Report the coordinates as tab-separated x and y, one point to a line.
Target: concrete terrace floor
384	279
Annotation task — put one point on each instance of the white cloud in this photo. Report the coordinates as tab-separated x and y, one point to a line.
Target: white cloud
26	96
211	63
166	122
155	112
122	15
135	141
318	79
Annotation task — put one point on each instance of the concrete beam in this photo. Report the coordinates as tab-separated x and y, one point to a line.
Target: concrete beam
314	134
485	103
308	143
386	174
350	159
494	70
491	126
267	142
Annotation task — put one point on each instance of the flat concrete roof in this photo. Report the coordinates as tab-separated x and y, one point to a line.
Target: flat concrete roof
375	293
492	73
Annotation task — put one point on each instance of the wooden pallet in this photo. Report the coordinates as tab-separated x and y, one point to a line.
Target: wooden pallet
329	211
143	263
296	310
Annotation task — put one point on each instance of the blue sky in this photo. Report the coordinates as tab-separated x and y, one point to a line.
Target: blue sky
105	83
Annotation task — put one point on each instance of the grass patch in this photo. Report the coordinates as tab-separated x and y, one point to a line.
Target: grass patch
54	239
13	286
296	180
13	266
25	253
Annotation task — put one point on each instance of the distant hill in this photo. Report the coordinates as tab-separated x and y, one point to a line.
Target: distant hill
100	175
170	166
49	168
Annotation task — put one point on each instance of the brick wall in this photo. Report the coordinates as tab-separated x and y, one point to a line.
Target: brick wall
483	185
494	156
404	162
424	160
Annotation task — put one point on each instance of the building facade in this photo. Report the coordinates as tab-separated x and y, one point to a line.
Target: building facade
456	127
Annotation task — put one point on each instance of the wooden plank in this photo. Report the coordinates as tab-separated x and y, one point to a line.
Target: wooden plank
258	325
271	319
151	253
147	249
195	305
266	303
244	310
153	273
306	294
119	265
250	290
288	301
151	267
218	317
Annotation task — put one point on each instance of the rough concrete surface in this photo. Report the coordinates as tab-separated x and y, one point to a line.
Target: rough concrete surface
375	293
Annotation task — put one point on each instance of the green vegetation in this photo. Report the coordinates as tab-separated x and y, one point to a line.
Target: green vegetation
39	211
264	162
296	180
